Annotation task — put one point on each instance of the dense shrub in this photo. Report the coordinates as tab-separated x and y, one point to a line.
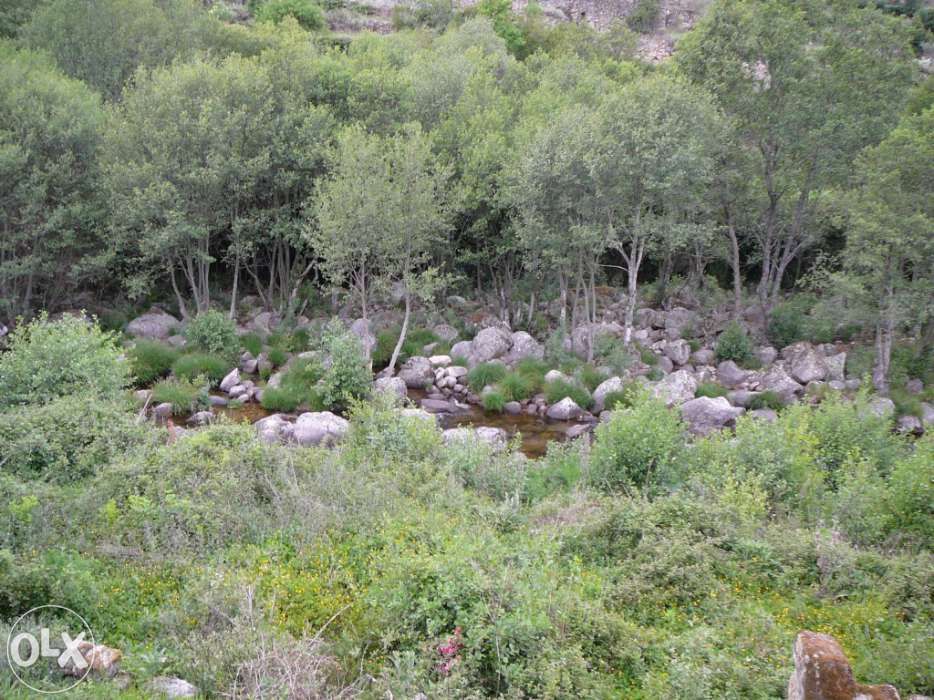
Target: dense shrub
415	340
643	16
766	399
214	333
734	344
485	374
347	376
591	377
516	386
151	360
493	401
308	14
298	386
185	395
71	356
559	471
277	356
638	448
211	367
791	322
711	390
252	343
67	439
557	390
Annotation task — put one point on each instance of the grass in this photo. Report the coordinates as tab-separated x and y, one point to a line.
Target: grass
557	390
485	374
493	401
516	386
184	395
711	390
625	398
277	356
151	360
459	361
297	388
252	343
648	357
591	377
415	340
212	367
767	399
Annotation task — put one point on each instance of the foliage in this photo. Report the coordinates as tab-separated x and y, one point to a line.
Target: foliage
790	323
518	385
591	377
186	395
643	16
211	367
711	390
494	400
347	376
639	448
766	399
308	14
252	343
213	333
559	389
485	374
71	356
415	340
66	439
151	360
299	385
734	344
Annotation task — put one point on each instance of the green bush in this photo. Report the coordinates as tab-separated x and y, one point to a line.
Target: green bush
557	472
766	399
485	374
214	333
711	390
151	360
639	447
591	377
620	399
308	14
493	401
793	320
71	356
347	377
284	398
277	356
557	390
516	386
647	356
252	343
415	340
734	344
67	439
186	395
211	367
643	16
299	386
911	493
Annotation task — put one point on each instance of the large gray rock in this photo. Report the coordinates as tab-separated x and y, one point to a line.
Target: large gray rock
704	356
155	324
741	397
705	415
172	687
319	428
273	429
675	388
680	322
417	372
730	375
579	340
836	367
201	418
565	409
766	355
881	406
523	346
606	387
678	351
445	332
266	322
363	329
777	380
555	375
391	385
439	406
806	363
490	343
909	425
231	380
462	348
495	437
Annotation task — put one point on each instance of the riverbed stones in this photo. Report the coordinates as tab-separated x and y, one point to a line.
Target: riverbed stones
730	375
230	381
319	428
705	415
608	386
155	324
565	409
417	372
675	388
392	385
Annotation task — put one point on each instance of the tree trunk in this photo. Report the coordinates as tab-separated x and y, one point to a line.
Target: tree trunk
391	367
885	330
233	294
737	274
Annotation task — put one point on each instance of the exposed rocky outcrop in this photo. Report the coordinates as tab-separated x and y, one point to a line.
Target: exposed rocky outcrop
822	672
155	324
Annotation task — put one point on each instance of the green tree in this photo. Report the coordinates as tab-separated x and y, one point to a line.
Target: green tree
379	215
808	86
889	254
49	209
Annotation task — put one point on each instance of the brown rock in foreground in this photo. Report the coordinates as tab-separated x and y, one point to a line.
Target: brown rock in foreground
822	672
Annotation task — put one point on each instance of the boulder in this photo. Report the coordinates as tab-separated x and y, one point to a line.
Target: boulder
665	364
495	437
273	429
704	356
575	431
393	385
766	355
440	360
462	348
678	351
730	375
704	415
523	346
741	397
606	387
675	388
766	414
806	363
104	661
881	406
439	406
822	672
490	343
230	381
418	414
363	329
320	428
417	372
457	372
579	340
554	375
565	409
909	425
176	341
777	380
927	413
914	386
162	411
201	418
680	322
446	333
172	687
265	322
155	324
836	367
512	408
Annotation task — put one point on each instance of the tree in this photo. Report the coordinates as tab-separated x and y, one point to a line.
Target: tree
379	215
652	161
186	150
50	211
889	255
808	86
